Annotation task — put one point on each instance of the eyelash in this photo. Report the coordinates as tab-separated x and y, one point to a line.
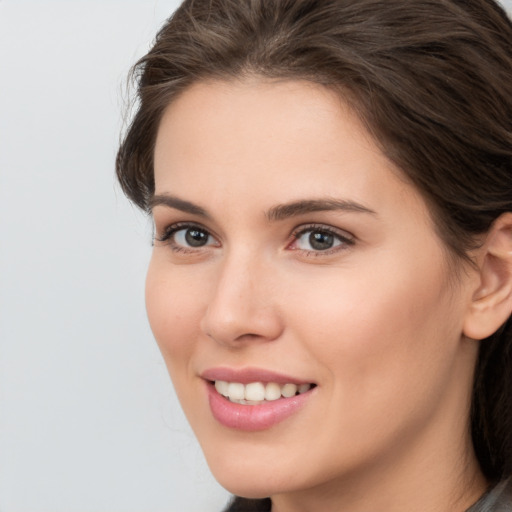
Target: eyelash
346	240
170	231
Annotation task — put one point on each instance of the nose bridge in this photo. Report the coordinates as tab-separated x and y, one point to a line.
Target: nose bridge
241	305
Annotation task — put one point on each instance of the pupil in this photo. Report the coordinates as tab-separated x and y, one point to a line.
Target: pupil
195	237
321	241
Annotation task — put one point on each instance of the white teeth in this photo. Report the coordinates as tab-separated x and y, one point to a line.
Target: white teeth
255	393
222	387
236	391
289	390
303	388
272	391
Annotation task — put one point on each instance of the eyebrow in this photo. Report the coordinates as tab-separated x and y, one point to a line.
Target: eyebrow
276	213
284	211
177	204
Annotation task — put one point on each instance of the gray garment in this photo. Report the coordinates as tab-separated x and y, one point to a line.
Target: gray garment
498	499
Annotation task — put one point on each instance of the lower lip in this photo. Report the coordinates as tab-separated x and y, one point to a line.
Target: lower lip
253	417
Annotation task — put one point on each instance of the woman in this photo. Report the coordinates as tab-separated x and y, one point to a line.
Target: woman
331	280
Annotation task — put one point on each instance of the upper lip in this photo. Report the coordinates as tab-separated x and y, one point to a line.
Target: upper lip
250	374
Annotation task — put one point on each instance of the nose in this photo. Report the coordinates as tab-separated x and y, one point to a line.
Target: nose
242	305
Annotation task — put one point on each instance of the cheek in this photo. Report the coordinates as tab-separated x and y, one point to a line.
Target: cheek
174	311
175	304
377	330
376	338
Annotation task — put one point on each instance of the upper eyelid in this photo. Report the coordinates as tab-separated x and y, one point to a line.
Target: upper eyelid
167	237
169	229
176	226
347	240
342	233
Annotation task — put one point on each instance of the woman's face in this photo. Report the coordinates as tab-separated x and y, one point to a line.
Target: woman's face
291	257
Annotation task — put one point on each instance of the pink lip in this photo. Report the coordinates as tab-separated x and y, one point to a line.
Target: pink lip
249	374
251	417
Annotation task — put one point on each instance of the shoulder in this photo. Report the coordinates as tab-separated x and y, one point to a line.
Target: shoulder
498	499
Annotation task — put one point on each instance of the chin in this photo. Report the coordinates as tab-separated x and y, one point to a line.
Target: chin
249	479
251	488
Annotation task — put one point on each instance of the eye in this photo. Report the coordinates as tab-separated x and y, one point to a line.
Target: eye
320	239
192	237
188	237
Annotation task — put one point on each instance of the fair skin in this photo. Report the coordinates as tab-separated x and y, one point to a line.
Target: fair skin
368	312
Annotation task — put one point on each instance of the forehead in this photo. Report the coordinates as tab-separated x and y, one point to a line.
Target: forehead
243	111
268	141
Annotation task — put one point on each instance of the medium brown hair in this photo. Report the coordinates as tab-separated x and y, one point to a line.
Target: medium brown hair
430	79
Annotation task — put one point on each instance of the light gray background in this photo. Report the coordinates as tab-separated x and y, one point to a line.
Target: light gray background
88	418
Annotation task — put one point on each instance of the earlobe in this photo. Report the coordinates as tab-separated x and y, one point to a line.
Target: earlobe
491	303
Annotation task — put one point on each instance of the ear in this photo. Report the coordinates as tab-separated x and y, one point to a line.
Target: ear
491	303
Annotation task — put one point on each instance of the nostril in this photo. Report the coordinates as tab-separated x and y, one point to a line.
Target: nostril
248	336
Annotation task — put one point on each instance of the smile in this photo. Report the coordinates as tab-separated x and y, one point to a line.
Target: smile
257	393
